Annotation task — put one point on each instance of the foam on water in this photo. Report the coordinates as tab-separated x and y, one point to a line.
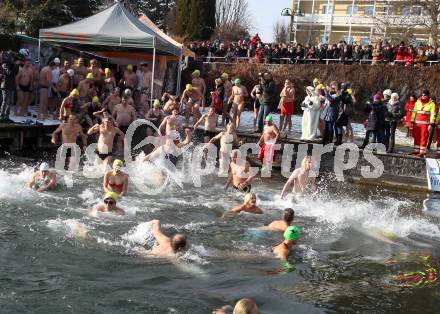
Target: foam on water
12	186
69	227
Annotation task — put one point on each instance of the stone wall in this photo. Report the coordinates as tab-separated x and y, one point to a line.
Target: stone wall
365	78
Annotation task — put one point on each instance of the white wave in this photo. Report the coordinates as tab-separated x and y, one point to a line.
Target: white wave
140	234
69	227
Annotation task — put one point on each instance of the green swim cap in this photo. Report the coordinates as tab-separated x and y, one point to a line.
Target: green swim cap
237	81
269	118
292	233
118	162
111	195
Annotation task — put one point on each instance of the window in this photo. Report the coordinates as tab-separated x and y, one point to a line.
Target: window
327	9
348	39
386	10
416	11
352	9
365	41
324	39
369	10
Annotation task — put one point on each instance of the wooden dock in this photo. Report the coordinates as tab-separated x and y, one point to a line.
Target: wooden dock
16	137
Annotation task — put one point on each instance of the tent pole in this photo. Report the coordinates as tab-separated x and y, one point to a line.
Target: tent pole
152	75
39	49
179	75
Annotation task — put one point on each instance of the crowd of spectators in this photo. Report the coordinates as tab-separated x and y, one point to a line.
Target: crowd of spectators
254	50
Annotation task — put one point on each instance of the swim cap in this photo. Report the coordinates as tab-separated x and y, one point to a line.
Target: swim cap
90	76
237	81
70	72
269	118
196	73
315	80
74	92
57	60
156	102
44	166
387	92
118	163
129	67
127	92
95	99
107	71
189	87
111	195
349	91
320	86
224	76
292	233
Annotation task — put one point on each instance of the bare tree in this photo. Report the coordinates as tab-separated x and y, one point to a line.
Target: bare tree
280	32
432	21
232	19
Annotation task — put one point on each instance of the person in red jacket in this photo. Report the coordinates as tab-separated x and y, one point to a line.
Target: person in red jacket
410	57
400	54
423	119
409	107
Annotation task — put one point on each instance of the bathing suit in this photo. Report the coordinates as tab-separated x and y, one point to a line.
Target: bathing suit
68	105
123	128
210	134
263	148
116	187
287	108
194	101
43	87
246	189
103	156
69	152
171	158
25	89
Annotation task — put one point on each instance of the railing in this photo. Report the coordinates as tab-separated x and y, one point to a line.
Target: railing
311	61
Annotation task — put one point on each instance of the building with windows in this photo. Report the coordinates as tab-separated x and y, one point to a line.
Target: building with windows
361	22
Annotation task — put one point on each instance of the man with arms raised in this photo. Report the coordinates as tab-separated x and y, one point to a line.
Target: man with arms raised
70	131
166	245
193	99
107	132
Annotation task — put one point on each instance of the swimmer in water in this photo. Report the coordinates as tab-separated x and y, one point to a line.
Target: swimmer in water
282	250
239	174
116	180
109	204
167	245
249	206
282	225
303	178
43	179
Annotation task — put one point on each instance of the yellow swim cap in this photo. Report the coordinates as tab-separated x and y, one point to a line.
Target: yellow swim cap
315	80
95	99
129	67
111	195
74	92
156	102
107	71
196	73
349	91
224	76
90	76
118	163
320	86
189	87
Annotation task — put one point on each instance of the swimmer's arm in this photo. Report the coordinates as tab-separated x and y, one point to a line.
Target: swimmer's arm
228	181
105	103
313	184
83	137
203	88
119	211
199	121
231	98
125	187
120	133
216	138
277	133
55	133
258	210
287	184
163	124
105	183
31	182
261	140
158	235
93	129
50	185
235	210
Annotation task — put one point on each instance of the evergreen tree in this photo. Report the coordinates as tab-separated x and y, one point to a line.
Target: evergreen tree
183	16
202	19
156	10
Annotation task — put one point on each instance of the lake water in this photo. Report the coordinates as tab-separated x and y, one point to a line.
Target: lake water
355	240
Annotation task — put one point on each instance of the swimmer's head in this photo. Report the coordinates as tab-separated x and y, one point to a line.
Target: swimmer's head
237	81
218	82
224	76
90	76
107	71
156	103
175	112
269	118
316	82
95	99
234	154
110	198
127	92
44	168
230	127
130	67
292	233
250	198
306	163
178	242
196	73
188	87
70	72
74	93
288	215
245	306
117	164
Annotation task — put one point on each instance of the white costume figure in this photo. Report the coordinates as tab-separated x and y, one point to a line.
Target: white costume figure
311	106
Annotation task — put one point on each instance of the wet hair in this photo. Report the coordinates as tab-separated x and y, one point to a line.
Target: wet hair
248	197
244	306
305	159
178	242
288	215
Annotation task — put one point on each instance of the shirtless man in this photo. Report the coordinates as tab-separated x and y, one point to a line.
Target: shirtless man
145	85
85	86
238	96
155	115
69	105
45	81
193	99
239	174
170	123
95	70
282	250
111	101
287	106
166	245
171	103
25	87
130	78
210	119
171	149
198	83
283	224
66	66
249	206
55	98
303	178
65	83
109	204
109	81
124	115
228	141
268	138
70	131
80	71
43	179
116	180
107	132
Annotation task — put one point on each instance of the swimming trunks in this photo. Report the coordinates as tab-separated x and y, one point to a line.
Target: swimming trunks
246	189
262	153
123	128
103	156
209	134
25	89
287	108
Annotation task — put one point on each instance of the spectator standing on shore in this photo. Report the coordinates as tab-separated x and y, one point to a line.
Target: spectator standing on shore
395	114
311	106
256	95
267	99
409	107
375	124
423	119
7	87
287	106
330	112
